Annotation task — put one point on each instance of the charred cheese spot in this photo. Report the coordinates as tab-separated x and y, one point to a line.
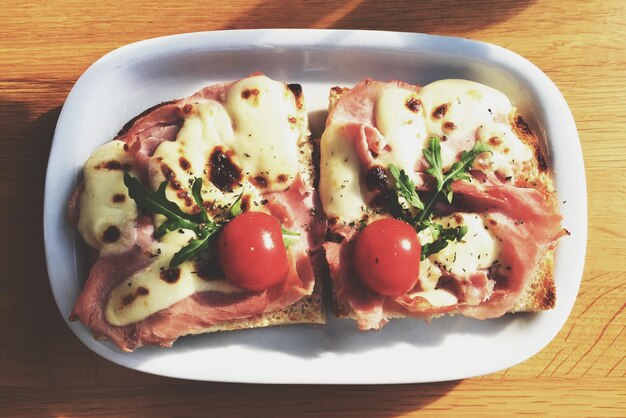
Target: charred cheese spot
495	141
170	275
376	179
184	163
111	234
282	178
113	165
167	172
245	94
130	297
119	198
292	119
440	111
245	203
223	173
449	126
414	104
259	181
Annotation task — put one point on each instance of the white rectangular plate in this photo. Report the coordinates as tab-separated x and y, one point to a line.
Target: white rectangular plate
133	78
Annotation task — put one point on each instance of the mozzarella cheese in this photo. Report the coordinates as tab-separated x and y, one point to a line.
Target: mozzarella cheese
461	110
437	297
157	287
340	168
477	250
106	216
252	137
404	129
509	153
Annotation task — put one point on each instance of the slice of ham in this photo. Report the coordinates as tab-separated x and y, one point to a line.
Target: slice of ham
188	316
202	310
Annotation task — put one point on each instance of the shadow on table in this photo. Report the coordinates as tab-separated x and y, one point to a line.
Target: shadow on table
450	17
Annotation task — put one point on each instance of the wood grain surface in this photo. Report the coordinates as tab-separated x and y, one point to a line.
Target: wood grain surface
46	371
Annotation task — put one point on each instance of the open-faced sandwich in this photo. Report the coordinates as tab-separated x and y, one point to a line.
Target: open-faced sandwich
449	174
201	215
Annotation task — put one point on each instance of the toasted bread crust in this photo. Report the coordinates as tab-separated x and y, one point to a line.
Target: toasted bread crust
540	294
309	310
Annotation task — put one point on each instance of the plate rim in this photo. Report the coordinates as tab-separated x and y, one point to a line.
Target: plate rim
315	38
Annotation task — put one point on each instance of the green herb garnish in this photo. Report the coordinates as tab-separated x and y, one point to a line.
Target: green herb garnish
235	209
441	237
290	237
156	202
405	188
458	171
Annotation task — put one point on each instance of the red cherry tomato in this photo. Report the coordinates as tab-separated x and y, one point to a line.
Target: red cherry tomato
251	252
386	257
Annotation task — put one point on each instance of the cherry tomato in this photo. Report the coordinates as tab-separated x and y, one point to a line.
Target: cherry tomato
386	257
251	252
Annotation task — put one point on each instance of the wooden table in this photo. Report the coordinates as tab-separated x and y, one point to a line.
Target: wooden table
46	371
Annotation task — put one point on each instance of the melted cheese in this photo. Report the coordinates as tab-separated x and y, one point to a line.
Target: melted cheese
429	271
264	115
207	127
478	249
340	168
156	287
256	128
437	297
456	108
509	152
106	213
403	129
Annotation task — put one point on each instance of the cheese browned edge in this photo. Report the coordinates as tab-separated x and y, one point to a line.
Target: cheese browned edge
540	294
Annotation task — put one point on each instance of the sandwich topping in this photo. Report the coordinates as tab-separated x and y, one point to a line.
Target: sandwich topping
451	160
155	200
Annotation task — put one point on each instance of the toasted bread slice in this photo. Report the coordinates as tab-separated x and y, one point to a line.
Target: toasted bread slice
540	293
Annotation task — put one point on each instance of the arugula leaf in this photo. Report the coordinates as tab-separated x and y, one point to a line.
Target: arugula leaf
433	156
235	209
405	187
193	249
196	192
458	171
167	226
289	237
157	203
443	237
